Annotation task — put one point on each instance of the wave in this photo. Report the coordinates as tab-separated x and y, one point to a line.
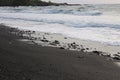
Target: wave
103	35
94	23
69	20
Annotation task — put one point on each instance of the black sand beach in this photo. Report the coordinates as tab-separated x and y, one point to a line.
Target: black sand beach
22	61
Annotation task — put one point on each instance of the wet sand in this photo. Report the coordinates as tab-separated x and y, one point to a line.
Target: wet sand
22	61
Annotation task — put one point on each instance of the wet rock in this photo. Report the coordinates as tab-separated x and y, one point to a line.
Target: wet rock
87	48
116	58
83	50
65	37
44	40
97	52
73	45
56	42
118	52
62	48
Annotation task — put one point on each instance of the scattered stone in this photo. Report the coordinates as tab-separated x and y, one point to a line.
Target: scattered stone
62	48
82	50
87	48
44	40
116	55
74	43
108	55
97	52
34	42
33	32
116	58
65	37
118	52
56	42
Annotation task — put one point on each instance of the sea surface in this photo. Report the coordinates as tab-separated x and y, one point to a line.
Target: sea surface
99	23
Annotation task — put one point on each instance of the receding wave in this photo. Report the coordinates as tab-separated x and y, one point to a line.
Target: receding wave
96	23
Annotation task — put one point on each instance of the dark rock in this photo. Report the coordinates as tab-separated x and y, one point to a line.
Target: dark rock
83	50
44	40
118	52
62	48
87	48
74	43
65	37
116	55
116	58
56	42
97	52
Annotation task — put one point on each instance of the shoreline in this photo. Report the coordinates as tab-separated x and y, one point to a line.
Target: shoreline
61	41
22	61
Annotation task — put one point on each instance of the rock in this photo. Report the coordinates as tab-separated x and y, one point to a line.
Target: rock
87	48
83	50
62	48
44	40
56	42
118	52
97	52
116	55
73	45
65	37
116	58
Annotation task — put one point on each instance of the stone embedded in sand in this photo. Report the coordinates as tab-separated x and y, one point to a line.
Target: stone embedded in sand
118	52
87	48
44	40
82	50
65	37
73	45
62	48
56	42
116	58
97	52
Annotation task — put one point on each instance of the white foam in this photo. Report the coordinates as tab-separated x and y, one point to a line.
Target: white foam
104	35
104	28
65	19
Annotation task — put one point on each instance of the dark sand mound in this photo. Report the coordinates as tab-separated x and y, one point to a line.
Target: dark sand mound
21	61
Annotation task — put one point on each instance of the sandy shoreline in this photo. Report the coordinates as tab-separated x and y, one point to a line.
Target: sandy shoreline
22	61
48	39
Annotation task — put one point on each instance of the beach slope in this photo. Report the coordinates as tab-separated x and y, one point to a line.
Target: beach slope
22	61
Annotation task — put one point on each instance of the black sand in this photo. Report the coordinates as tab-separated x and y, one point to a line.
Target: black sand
22	61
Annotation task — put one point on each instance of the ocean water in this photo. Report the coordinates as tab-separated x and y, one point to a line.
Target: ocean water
99	23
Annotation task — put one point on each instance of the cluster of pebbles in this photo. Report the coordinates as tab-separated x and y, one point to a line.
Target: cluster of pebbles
41	39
